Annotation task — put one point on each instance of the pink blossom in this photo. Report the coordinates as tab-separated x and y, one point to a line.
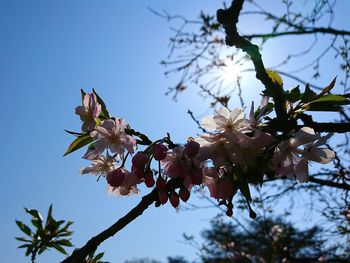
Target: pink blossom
89	112
175	163
289	160
127	187
111	134
220	187
215	147
116	177
226	121
101	165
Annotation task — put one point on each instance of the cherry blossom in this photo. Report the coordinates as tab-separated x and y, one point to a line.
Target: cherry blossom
176	164
101	165
291	161
111	134
226	121
89	112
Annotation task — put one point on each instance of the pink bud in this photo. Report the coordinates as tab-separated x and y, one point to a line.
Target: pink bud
149	180
139	160
184	194
191	149
229	212
174	199
161	184
138	172
116	177
163	196
196	175
159	151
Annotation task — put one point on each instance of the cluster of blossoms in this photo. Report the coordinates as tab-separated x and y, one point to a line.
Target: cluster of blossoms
234	152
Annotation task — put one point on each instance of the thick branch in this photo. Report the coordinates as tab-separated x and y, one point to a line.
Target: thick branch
229	18
329	183
79	255
329	127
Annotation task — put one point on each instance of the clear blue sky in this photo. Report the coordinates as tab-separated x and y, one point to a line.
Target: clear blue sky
49	50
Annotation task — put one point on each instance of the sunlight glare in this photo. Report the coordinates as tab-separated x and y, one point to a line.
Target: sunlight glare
231	70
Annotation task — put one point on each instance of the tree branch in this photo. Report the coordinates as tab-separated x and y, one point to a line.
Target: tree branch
329	183
79	255
229	18
329	126
303	31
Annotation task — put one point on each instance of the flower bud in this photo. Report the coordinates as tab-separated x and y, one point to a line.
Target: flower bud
140	160
191	148
184	194
196	175
149	180
116	177
163	196
161	184
174	199
138	172
159	151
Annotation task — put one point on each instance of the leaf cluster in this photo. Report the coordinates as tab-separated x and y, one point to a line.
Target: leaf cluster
44	235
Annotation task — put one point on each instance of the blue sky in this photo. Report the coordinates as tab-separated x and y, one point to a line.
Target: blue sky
49	50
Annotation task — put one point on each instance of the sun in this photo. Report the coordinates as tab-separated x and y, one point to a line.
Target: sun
231	70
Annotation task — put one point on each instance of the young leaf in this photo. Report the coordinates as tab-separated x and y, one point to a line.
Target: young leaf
335	99
78	143
49	215
29	250
275	77
59	248
328	88
25	229
64	242
98	256
82	96
23	239
104	113
293	95
34	213
23	246
74	133
308	95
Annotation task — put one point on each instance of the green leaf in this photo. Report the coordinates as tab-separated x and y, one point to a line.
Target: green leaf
74	133
328	88
34	213
322	107
308	95
275	77
49	216
42	249
64	242
24	246
25	229
82	96
335	99
264	110
37	223
293	95
29	250
23	239
59	248
78	143
98	256
104	113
